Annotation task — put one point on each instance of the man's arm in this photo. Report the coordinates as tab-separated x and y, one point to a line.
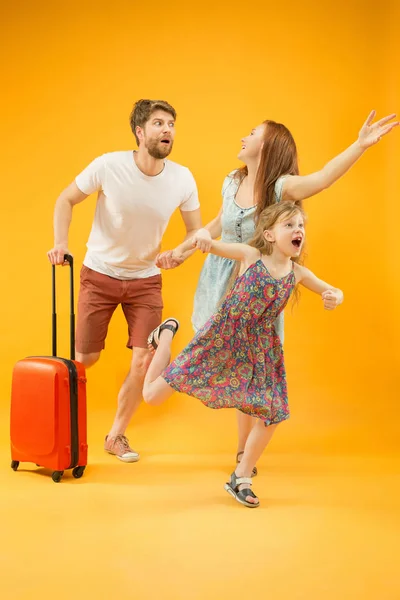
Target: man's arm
192	221
62	219
175	257
171	259
202	238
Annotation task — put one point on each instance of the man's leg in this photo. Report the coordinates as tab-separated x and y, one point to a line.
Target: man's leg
97	301
142	306
130	394
88	360
129	398
99	295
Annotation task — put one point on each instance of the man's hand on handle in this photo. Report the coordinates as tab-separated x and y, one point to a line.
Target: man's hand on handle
56	255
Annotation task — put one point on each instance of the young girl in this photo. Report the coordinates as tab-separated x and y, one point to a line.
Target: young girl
270	174
236	359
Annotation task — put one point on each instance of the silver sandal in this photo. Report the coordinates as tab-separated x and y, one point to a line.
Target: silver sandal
233	489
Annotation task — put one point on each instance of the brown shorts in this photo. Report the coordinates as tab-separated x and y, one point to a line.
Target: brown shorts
99	296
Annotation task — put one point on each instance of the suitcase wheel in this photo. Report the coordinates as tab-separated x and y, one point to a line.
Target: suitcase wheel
78	472
14	464
57	475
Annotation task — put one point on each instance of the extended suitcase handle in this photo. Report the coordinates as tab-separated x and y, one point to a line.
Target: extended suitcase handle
70	260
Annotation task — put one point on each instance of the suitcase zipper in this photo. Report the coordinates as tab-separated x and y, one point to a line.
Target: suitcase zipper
73	397
73	393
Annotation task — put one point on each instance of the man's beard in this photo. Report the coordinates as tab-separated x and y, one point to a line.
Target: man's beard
158	149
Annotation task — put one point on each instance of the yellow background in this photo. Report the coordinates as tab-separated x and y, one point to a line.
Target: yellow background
71	73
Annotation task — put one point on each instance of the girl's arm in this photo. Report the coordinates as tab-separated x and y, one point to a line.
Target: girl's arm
202	239
242	252
298	187
331	296
235	251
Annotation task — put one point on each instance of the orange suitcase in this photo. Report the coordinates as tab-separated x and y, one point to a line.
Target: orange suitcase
48	406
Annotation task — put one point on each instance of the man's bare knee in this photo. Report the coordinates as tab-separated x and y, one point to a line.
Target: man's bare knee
140	364
88	360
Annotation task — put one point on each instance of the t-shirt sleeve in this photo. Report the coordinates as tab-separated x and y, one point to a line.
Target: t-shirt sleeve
91	179
191	198
279	187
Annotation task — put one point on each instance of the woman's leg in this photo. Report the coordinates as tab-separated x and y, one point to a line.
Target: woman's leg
257	441
155	389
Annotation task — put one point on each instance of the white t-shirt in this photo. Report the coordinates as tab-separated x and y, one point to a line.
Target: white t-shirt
132	212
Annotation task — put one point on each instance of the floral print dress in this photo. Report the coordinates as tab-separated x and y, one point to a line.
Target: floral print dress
236	359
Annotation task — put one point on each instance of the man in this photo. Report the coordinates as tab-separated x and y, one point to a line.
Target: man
137	193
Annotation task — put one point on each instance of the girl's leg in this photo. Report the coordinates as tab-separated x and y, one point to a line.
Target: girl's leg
257	441
155	389
245	425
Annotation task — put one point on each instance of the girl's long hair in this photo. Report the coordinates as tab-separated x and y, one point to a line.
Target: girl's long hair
278	157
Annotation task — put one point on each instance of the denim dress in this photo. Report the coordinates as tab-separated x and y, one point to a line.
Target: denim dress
237	226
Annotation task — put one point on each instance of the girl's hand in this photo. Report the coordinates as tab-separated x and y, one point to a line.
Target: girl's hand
371	134
202	240
332	299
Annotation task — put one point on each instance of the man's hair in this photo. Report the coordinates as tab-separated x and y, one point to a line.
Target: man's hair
143	110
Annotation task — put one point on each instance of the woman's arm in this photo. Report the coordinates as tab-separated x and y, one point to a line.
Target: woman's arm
202	239
214	227
299	187
331	296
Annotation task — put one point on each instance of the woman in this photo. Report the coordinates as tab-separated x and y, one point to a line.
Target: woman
270	174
